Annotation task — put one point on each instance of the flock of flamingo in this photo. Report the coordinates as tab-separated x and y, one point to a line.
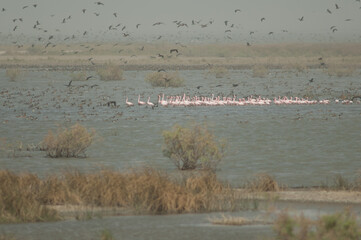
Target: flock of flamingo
226	101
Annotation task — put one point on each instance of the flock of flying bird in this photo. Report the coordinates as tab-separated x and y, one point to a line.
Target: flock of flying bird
47	38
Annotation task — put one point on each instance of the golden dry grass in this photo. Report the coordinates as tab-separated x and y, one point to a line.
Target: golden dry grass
263	182
24	196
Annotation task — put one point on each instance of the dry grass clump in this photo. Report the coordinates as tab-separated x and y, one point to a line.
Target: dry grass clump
191	148
24	197
68	142
18	199
340	71
260	71
338	226
340	183
13	73
110	72
263	183
164	79
219	72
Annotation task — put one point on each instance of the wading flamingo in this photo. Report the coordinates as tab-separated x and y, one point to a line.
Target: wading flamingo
129	104
140	102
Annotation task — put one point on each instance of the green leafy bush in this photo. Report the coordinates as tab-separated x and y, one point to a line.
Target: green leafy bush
191	148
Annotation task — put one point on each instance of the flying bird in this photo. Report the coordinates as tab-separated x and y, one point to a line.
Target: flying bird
237	10
173	50
99	3
328	10
262	19
301	19
157	23
137	26
115	14
89	77
337	7
84	10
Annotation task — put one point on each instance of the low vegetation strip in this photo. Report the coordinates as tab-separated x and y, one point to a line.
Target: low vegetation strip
24	197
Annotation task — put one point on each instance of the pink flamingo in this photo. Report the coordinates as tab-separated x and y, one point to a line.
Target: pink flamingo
129	104
140	102
150	103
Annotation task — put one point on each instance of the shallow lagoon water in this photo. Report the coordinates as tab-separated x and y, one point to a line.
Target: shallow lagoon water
298	144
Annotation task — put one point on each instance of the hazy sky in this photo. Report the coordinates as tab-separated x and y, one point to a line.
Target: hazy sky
282	17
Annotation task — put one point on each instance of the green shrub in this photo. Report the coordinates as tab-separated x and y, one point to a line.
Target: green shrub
70	142
191	148
164	79
110	72
338	226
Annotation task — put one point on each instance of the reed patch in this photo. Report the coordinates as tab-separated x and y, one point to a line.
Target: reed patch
24	197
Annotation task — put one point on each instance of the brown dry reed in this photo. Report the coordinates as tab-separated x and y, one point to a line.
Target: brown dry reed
263	182
68	142
164	79
194	147
19	199
24	197
338	226
110	72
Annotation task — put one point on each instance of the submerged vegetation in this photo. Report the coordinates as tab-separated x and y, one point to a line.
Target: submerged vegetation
191	148
164	79
68	142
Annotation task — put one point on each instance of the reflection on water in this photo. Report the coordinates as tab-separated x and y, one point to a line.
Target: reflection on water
299	145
